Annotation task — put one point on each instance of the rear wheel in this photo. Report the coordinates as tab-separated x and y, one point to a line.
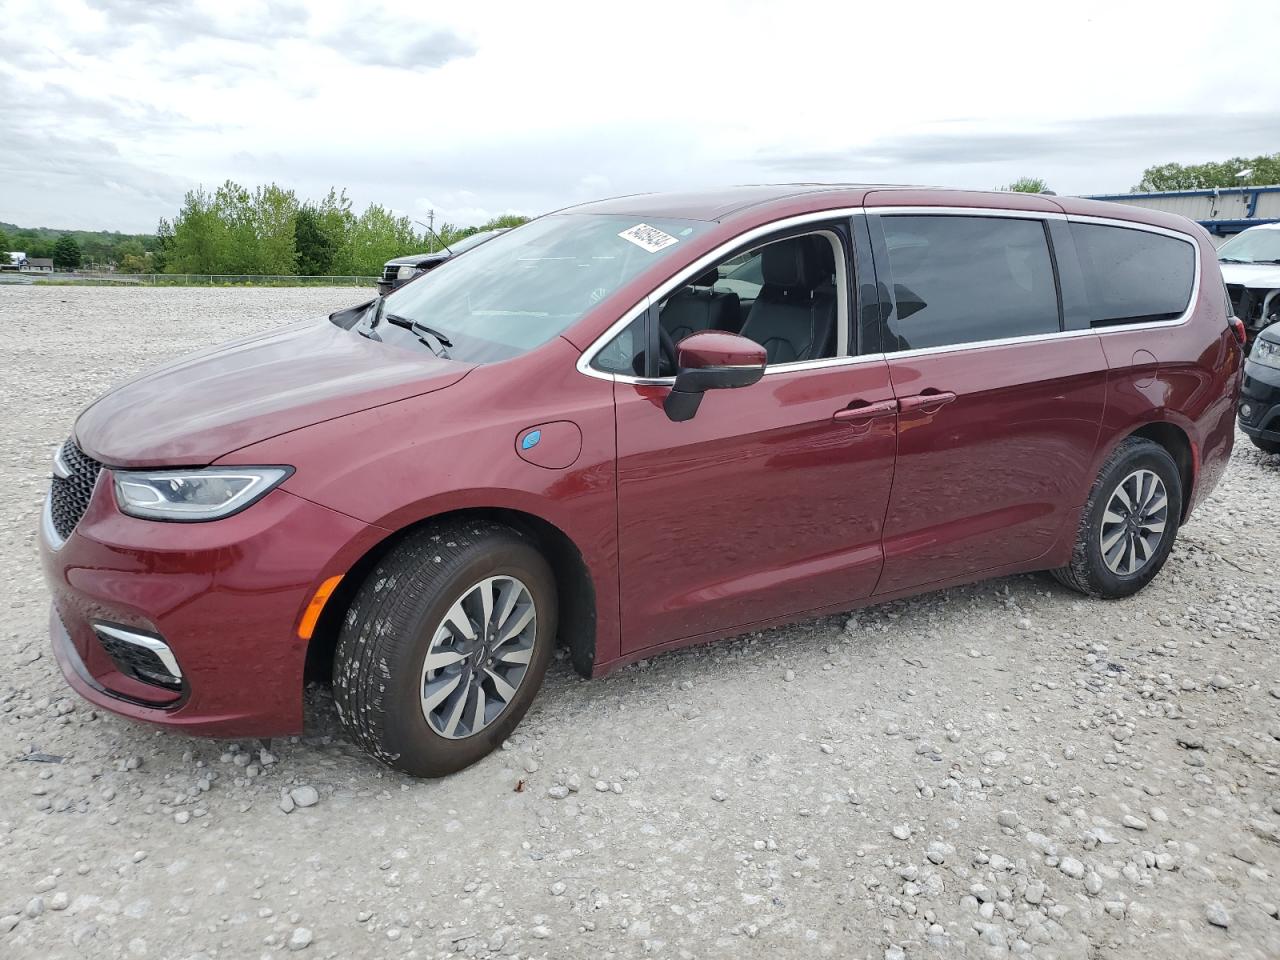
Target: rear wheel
445	646
1129	522
1266	446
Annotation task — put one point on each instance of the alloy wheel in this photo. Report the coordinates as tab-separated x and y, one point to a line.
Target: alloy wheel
1133	523
478	657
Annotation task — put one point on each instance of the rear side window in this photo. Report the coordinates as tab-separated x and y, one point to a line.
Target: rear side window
959	279
1133	276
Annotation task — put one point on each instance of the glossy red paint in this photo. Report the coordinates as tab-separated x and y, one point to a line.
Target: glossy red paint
815	490
227	597
993	476
194	411
710	348
762	505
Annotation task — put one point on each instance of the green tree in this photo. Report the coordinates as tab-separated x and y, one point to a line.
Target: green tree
66	253
4	246
163	245
334	216
506	221
275	211
136	263
1236	172
1026	185
237	249
199	236
375	237
316	249
132	247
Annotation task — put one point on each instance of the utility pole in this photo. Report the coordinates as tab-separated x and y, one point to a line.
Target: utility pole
431	228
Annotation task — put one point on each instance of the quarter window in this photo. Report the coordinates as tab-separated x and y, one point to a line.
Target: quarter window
624	353
959	279
1133	276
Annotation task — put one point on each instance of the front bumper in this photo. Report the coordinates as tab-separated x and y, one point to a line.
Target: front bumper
225	597
1260	396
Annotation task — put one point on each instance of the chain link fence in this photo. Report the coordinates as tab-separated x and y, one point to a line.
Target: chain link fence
207	279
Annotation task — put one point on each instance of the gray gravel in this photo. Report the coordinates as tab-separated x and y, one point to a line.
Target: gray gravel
1003	768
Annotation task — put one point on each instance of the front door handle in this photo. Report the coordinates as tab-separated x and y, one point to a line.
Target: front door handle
868	411
926	402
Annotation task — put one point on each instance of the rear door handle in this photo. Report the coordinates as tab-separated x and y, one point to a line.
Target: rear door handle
868	411
926	402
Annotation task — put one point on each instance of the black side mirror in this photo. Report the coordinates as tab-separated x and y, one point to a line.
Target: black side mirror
711	360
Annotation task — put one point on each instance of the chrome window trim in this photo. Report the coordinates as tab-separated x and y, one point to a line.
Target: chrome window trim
702	263
1183	318
916	211
1162	231
699	266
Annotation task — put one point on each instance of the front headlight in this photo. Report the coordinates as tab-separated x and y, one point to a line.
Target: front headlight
406	272
1265	352
193	495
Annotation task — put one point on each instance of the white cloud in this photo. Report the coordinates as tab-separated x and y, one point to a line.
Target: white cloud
486	108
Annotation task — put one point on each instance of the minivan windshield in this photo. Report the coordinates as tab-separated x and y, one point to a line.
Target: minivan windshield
1252	246
466	243
522	288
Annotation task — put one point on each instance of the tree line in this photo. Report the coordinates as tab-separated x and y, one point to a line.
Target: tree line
73	248
1256	171
269	230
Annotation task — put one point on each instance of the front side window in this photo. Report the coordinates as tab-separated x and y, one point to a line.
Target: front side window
1133	276
959	279
788	295
518	290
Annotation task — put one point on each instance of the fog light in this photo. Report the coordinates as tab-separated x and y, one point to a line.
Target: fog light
1246	410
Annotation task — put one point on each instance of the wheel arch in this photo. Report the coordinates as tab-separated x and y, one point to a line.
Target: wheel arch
574	587
1179	446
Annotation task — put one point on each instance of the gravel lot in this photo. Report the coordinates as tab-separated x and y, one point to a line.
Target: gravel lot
1004	768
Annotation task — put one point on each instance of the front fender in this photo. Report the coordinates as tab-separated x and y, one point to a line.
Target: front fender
401	463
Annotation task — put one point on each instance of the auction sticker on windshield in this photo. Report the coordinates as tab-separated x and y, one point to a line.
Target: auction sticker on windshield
647	237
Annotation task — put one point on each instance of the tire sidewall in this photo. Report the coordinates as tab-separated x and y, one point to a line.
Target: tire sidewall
1149	456
406	732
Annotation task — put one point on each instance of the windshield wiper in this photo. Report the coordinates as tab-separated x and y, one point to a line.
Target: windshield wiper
1233	260
425	333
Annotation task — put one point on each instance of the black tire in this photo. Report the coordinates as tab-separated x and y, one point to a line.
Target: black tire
1088	571
1266	446
378	665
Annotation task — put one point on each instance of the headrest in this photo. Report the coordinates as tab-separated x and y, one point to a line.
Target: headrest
803	262
707	279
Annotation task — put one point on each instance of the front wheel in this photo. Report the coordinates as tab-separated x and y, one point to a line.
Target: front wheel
1266	446
445	646
1129	522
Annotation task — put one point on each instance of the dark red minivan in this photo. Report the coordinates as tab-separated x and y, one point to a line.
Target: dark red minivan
630	426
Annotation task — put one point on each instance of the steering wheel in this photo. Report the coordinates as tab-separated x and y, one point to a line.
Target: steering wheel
667	363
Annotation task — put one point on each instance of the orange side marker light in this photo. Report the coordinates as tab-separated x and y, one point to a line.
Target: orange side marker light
312	615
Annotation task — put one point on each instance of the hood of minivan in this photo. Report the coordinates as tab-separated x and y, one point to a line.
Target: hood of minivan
202	407
1265	275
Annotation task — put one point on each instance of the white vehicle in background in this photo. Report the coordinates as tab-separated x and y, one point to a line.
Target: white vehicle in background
1251	268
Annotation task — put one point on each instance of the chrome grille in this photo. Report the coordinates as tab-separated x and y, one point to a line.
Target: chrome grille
69	495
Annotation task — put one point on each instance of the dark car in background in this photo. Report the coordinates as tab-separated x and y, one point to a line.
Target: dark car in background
396	273
1260	392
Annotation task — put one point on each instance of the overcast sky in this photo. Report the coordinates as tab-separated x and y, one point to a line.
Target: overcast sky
111	109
